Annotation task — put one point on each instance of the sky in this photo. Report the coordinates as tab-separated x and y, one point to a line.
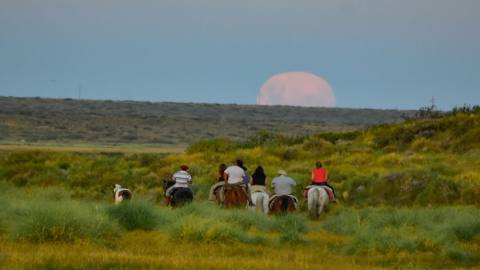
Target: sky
373	53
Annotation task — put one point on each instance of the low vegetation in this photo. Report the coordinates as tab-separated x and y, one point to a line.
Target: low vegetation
408	197
27	120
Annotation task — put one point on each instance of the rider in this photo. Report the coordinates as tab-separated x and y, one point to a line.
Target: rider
258	180
236	175
220	181
283	185
320	178
182	179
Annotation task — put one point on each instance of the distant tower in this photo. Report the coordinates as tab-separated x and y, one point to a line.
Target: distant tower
80	87
434	107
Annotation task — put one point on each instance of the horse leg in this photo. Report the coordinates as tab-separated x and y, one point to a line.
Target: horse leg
323	202
265	203
285	203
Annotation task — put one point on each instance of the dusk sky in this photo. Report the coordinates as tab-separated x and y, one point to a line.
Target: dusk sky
373	53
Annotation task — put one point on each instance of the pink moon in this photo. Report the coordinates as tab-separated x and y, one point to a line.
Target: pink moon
296	89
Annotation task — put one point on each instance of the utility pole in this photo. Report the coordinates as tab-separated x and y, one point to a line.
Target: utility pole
80	86
433	103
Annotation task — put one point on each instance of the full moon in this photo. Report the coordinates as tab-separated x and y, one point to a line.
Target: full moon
296	89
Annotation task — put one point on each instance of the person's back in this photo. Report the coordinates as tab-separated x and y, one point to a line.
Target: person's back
319	175
221	173
320	178
182	180
234	174
258	177
182	177
283	185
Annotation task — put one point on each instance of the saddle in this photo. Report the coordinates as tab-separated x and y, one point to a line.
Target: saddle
257	188
185	189
233	187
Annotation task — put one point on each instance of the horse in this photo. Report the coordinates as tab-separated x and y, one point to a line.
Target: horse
121	194
317	201
180	195
216	193
234	196
260	201
282	204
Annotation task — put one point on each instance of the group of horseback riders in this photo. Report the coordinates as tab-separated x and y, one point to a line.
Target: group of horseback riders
234	182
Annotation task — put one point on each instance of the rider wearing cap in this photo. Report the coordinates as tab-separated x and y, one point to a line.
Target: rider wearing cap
283	184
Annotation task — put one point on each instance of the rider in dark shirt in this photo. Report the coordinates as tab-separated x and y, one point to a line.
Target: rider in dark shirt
258	180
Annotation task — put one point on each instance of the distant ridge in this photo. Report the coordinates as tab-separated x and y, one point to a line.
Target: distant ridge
104	121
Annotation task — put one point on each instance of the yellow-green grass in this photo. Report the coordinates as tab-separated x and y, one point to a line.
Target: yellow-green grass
420	181
73	234
416	163
92	148
153	250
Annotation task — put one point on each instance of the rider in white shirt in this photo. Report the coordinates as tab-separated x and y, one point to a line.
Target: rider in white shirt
182	180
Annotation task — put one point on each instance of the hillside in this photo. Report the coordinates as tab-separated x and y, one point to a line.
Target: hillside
79	121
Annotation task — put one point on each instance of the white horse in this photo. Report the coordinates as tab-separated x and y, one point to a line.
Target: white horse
260	201
317	201
120	194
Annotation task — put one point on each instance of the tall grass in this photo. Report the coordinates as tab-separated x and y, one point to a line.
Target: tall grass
390	229
64	221
137	215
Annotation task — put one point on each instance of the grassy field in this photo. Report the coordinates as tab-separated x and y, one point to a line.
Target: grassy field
90	148
46	229
408	199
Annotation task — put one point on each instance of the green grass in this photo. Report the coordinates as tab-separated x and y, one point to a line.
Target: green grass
137	215
409	188
404	229
61	221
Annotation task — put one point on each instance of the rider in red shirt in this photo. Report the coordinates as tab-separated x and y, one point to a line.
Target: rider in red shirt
320	177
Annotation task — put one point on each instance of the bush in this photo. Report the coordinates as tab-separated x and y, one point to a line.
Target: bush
390	229
137	215
220	145
65	221
194	228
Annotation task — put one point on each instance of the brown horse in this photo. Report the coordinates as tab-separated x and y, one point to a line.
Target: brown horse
282	204
234	196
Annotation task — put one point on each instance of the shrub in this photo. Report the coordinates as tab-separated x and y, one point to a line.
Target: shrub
390	229
137	215
265	138
44	221
194	228
220	145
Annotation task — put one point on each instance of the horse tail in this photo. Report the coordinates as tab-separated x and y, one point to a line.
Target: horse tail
313	200
259	203
285	202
